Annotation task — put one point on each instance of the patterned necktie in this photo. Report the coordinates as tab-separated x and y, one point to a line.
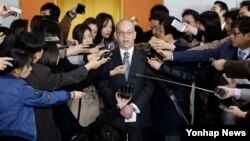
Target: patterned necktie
126	61
241	55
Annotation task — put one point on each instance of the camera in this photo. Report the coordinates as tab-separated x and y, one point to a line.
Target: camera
125	91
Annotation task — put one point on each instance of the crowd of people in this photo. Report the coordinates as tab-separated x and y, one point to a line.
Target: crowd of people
116	82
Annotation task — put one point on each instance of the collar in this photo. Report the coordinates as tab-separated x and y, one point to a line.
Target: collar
130	51
247	51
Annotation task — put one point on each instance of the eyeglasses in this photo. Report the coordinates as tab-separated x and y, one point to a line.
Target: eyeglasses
188	22
235	33
121	33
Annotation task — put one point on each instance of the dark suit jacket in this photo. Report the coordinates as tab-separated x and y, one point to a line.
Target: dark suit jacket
237	69
143	88
226	51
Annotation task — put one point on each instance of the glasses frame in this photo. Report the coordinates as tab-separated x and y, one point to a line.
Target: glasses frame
235	33
128	33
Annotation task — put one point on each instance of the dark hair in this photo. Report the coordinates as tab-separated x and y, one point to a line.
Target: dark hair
50	28
139	34
32	42
191	12
36	21
243	24
159	8
89	21
9	41
50	54
222	5
233	14
169	29
102	20
20	59
158	17
78	32
53	10
19	25
211	21
109	132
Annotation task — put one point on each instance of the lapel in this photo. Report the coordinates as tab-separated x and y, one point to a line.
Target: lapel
134	64
118	61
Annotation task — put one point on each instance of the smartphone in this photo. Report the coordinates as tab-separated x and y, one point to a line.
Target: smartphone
80	9
15	10
220	92
178	25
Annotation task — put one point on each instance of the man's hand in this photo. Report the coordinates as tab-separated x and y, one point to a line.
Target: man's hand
167	55
229	92
235	110
96	63
154	63
160	44
119	70
189	30
219	64
121	102
127	111
5	11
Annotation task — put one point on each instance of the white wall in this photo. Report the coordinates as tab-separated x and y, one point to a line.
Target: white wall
176	7
7	21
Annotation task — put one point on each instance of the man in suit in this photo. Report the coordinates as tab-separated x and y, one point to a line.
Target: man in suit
135	117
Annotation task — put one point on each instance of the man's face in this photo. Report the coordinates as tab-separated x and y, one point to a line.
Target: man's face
155	26
216	8
228	25
239	39
126	35
244	11
45	12
189	19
